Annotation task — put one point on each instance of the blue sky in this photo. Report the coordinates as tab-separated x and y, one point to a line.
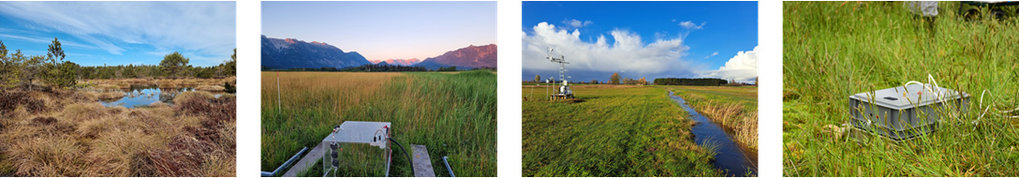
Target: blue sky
384	30
642	39
121	33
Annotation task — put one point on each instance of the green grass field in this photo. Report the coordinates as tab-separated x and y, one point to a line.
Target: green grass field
734	108
835	49
453	114
614	131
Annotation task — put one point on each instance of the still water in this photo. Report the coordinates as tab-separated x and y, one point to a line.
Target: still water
136	97
729	157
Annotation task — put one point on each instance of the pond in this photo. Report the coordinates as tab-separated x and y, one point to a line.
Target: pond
729	157
144	96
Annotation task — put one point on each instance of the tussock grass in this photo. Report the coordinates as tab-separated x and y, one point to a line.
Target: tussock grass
110	96
615	131
210	88
73	135
453	114
834	49
734	108
121	84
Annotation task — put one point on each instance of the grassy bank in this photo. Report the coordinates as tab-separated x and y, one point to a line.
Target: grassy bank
453	114
69	133
734	108
835	49
614	131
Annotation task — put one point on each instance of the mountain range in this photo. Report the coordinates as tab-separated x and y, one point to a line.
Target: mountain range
291	53
400	62
468	58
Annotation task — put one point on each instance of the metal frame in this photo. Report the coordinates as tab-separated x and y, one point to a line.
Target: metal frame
561	91
357	132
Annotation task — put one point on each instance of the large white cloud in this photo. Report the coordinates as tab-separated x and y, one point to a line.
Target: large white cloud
627	54
742	67
205	29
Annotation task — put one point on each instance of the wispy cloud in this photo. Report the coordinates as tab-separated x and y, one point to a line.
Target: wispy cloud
46	40
577	23
712	55
690	25
207	28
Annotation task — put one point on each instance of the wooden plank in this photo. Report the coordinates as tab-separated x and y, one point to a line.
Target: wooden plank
308	161
422	162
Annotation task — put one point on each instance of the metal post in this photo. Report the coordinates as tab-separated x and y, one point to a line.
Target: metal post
285	164
279	106
447	166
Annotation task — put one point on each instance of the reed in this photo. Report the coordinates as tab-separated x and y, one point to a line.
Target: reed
734	108
453	114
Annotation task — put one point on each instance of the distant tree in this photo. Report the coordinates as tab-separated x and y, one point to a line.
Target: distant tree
594	81
450	68
63	75
32	67
10	70
689	81
229	68
58	73
614	79
3	51
55	52
628	81
537	78
204	72
642	81
231	65
174	64
129	71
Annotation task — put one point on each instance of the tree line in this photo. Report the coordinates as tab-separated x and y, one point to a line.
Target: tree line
18	70
691	81
615	79
371	68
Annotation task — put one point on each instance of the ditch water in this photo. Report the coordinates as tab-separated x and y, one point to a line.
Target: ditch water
144	96
728	156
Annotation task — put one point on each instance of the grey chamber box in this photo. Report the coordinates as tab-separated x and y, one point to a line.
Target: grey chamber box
904	112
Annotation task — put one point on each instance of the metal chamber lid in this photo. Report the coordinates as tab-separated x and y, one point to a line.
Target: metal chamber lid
373	133
910	96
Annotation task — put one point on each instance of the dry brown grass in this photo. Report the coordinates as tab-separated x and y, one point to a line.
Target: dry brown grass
213	88
110	95
344	89
743	126
114	84
80	137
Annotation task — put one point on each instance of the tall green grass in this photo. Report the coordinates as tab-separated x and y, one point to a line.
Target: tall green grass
452	114
835	49
613	131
